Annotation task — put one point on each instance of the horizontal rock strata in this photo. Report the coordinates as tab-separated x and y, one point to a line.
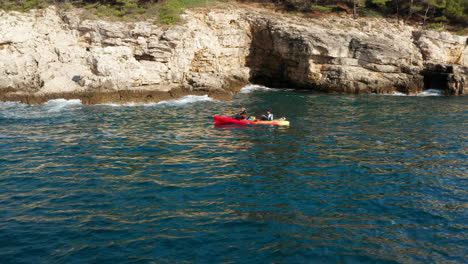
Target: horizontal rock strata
45	54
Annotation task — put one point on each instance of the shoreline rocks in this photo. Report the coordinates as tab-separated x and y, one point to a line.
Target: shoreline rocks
45	54
118	97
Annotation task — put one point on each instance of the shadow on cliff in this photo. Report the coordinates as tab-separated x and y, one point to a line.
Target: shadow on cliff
267	66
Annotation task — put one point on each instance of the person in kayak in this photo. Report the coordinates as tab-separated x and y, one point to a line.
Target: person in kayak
267	117
242	114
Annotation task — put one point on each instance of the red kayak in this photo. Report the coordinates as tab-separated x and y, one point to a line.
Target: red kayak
224	120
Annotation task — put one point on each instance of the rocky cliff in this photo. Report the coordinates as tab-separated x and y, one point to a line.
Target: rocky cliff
50	53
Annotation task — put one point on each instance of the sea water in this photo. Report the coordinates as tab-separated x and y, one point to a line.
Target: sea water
354	179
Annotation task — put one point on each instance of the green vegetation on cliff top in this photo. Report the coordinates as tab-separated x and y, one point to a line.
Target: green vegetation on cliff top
449	14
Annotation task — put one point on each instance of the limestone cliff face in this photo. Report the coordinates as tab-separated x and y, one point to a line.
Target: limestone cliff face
50	53
356	56
44	52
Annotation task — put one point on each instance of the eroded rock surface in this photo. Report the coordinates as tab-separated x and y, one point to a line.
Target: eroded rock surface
355	56
48	53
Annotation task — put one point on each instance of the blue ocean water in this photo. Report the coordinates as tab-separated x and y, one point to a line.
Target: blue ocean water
354	179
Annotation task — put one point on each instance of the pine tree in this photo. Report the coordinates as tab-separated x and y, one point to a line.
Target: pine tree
454	8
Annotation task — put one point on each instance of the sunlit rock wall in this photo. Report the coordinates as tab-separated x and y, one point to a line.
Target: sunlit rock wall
217	51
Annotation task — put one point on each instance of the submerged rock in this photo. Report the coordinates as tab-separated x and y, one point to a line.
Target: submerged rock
46	53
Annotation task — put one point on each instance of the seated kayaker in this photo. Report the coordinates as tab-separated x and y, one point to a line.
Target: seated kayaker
267	117
242	114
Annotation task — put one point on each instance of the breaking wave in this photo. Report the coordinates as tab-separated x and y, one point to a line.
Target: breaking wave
254	87
187	100
58	105
429	92
183	101
17	110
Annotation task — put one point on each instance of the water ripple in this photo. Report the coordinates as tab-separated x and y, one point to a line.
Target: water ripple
354	179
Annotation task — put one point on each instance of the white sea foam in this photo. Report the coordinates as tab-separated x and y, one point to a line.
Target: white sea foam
429	92
188	99
16	110
4	105
126	104
254	87
58	105
397	94
183	101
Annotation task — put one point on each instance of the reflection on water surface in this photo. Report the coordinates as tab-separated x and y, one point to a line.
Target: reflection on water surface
354	179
